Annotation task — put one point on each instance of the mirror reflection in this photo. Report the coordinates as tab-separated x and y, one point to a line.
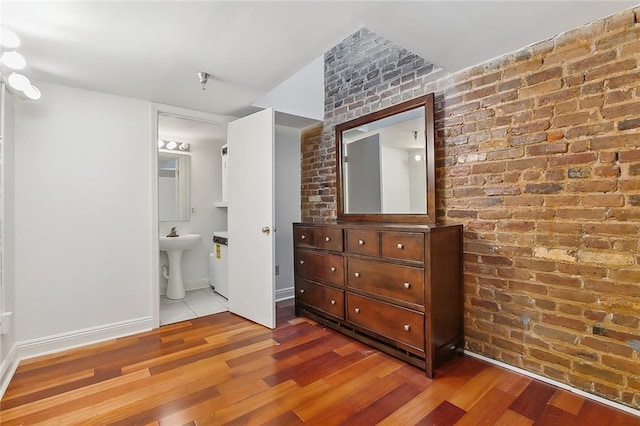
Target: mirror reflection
383	165
173	186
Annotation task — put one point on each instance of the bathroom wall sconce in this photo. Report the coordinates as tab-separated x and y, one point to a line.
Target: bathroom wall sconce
173	145
10	61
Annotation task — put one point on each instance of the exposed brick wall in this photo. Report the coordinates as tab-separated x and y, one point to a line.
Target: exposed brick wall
364	73
317	192
539	159
538	155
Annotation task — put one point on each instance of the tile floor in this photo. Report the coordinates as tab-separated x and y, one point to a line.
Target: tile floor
197	303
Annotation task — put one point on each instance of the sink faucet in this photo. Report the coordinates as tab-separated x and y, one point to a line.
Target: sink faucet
173	232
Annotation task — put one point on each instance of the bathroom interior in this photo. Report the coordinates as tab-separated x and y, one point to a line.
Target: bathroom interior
191	199
193	191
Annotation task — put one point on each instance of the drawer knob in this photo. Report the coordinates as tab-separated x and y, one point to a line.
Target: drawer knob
301	290
400	246
327	239
333	302
407	285
303	237
407	327
302	262
333	269
361	242
357	310
357	274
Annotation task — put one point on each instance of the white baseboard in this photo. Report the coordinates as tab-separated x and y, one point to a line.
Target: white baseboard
8	368
59	342
284	294
556	383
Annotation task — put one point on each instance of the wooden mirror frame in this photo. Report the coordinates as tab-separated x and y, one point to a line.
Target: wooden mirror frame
426	101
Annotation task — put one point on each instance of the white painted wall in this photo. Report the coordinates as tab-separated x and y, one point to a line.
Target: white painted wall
417	179
83	212
394	176
287	201
302	94
8	220
206	177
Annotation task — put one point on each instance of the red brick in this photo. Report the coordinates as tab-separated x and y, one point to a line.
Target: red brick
607	347
555	334
583	158
622	110
572	119
608	200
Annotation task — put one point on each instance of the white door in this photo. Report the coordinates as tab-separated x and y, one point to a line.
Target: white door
251	218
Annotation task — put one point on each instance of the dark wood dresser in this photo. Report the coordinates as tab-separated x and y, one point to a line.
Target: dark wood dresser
396	287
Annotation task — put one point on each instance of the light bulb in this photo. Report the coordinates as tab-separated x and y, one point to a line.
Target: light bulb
33	93
160	143
171	145
418	157
19	82
13	60
183	146
9	39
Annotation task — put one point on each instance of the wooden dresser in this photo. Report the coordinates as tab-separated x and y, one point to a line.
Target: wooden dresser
396	287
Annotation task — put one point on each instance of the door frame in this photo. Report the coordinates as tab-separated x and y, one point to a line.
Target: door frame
187	114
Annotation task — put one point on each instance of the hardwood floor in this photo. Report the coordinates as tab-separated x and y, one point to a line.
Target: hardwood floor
223	369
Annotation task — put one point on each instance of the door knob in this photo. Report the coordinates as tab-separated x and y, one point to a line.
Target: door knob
266	230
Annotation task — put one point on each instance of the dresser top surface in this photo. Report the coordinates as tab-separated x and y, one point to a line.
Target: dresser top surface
420	227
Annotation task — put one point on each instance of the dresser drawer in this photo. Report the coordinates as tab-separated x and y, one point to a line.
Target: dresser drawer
303	237
326	299
329	239
323	267
396	323
364	242
404	283
403	245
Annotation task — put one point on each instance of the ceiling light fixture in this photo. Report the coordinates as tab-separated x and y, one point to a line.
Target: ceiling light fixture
11	60
18	82
32	92
9	39
171	145
204	77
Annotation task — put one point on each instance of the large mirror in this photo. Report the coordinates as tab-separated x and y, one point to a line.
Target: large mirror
386	168
173	186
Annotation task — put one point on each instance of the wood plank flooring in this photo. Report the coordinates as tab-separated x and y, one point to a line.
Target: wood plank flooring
222	369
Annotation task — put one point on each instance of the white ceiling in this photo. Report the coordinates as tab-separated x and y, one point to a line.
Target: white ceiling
153	49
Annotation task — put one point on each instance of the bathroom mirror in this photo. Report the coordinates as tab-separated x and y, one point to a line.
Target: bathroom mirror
386	169
173	186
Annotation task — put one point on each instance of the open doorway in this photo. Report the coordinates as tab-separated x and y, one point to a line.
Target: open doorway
189	193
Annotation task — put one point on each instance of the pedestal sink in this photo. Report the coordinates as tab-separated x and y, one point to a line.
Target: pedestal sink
174	246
